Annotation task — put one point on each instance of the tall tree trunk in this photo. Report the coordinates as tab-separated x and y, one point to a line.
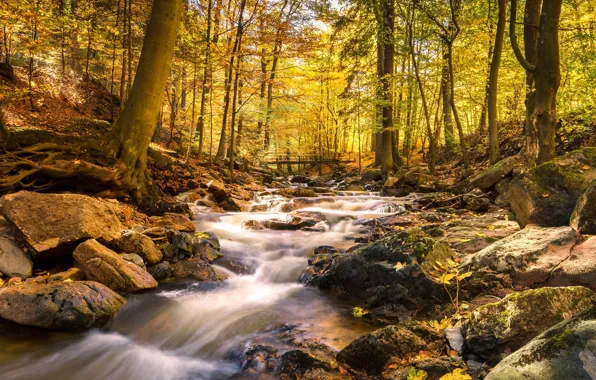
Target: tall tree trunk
548	77
221	150
493	130
482	124
387	163
129	138
4	132
206	76
377	135
531	21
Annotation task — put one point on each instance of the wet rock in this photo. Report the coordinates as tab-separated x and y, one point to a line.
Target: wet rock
210	237
134	258
60	305
371	175
372	352
252	225
161	271
53	224
547	194
487	179
292	223
583	217
173	221
400	191
530	255
300	179
204	249
519	317
354	187
141	245
565	351
13	261
218	189
299	192
182	244
196	268
104	265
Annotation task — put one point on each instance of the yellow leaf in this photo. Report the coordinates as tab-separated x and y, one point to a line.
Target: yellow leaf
457	374
585	167
446	278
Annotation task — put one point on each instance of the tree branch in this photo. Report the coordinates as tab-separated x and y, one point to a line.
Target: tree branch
514	45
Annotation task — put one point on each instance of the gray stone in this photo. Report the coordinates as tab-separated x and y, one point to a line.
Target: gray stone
13	261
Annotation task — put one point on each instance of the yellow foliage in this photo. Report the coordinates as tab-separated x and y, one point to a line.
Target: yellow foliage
457	374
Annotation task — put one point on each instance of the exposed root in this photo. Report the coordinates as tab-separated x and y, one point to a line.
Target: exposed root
46	165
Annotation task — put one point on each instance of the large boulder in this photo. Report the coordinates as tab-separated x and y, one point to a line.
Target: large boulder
371	353
137	243
547	194
54	224
13	261
519	317
565	351
371	175
104	265
173	221
60	305
530	255
583	217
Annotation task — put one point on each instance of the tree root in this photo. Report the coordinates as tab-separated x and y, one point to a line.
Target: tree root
49	165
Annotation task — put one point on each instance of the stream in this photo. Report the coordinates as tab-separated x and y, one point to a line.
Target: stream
191	330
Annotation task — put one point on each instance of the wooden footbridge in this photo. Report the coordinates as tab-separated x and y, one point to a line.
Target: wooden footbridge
281	160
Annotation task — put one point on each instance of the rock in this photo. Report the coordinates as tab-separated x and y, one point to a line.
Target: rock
252	225
13	261
7	72
476	203
391	181
455	338
354	187
425	182
371	175
72	274
104	265
134	258
502	186
579	268
565	351
487	179
293	223
141	245
547	194
173	221
299	192
60	305
519	317
298	364
204	248
530	255
54	224
196	268
299	179
218	190
583	217
372	352
161	271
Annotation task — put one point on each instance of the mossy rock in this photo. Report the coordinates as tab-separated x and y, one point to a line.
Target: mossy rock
565	351
519	317
487	179
547	194
583	218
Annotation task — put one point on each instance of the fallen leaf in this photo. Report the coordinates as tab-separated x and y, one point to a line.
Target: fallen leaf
545	195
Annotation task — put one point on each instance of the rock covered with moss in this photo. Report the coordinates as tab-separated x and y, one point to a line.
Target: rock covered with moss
519	317
372	353
547	194
565	351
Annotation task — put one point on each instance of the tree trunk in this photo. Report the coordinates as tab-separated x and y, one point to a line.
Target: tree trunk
129	138
206	76
531	22
493	130
446	94
4	132
387	139
547	76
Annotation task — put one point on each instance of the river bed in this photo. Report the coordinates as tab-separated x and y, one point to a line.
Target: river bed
191	330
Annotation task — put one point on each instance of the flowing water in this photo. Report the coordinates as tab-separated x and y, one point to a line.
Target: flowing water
193	330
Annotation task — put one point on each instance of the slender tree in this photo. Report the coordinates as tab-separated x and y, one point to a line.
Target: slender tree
493	130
